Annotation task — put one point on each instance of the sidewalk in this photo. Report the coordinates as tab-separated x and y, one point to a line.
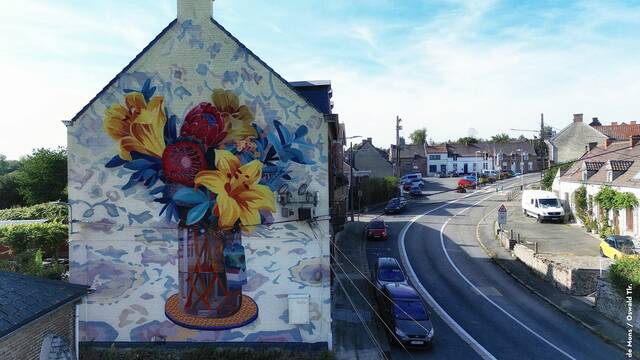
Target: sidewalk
351	338
561	241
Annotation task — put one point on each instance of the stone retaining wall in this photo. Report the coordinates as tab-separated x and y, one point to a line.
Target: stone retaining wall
574	281
614	306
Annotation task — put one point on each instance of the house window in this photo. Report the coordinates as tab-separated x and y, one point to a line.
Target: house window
485	166
455	166
609	176
504	164
584	175
629	219
525	156
474	166
433	168
530	165
513	157
455	157
434	157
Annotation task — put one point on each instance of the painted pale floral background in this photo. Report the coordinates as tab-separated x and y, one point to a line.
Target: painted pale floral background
127	251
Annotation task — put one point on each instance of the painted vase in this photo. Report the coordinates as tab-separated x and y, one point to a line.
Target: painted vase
212	271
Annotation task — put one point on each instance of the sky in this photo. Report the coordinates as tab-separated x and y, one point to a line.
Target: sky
456	67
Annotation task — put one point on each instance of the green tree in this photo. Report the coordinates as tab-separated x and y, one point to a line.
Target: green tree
467	140
9	195
8	166
43	176
501	138
419	136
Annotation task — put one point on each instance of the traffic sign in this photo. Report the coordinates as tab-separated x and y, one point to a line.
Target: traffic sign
502	215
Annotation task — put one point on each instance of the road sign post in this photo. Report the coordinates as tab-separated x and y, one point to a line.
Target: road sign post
502	216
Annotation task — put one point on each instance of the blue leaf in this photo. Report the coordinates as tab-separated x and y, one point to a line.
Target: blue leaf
301	132
112	210
138	164
197	213
298	157
132	181
88	213
157	190
126	91
190	196
139	218
115	162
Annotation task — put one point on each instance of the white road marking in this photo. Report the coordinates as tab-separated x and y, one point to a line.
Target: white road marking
483	294
479	349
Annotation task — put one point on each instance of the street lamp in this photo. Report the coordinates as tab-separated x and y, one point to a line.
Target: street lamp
351	161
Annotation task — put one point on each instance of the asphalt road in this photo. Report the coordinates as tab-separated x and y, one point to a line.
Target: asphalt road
483	313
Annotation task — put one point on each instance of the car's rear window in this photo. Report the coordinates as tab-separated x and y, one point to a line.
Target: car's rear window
376	225
410	310
393	202
390	274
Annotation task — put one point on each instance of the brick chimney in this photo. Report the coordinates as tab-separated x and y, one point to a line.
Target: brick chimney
369	140
614	123
198	11
632	122
634	140
577	118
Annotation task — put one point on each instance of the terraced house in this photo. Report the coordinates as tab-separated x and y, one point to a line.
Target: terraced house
615	164
199	185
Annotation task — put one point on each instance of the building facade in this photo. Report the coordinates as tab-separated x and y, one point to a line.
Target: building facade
570	143
199	185
367	157
612	164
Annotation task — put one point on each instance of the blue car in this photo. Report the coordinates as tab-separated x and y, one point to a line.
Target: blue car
415	190
405	314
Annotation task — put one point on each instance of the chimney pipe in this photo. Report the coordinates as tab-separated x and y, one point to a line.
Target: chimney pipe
632	122
614	123
198	11
577	118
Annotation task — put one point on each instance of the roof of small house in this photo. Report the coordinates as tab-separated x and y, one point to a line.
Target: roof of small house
25	298
620	131
618	156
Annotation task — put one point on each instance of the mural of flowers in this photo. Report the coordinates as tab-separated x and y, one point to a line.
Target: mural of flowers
217	172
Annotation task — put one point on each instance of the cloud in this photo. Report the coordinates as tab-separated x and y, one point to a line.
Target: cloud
363	33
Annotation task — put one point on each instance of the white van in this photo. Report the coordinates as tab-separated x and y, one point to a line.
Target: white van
412	179
543	205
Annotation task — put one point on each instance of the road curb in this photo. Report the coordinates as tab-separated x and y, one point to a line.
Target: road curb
497	261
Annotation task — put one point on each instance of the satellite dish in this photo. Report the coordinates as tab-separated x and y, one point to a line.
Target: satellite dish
303	189
284	188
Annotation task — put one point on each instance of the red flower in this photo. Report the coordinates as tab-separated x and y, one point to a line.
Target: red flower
182	161
205	123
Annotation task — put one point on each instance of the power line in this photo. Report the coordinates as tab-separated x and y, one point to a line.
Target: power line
365	299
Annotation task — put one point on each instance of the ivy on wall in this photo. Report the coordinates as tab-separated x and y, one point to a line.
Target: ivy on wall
610	199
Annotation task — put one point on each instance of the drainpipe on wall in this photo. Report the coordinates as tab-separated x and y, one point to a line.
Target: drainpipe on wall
77	331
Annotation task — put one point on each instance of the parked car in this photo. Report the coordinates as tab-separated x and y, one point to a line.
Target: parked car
386	270
504	174
543	205
617	246
404	313
470	178
395	206
415	190
453	173
465	183
377	229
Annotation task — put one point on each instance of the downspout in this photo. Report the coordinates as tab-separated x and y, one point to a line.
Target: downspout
77	331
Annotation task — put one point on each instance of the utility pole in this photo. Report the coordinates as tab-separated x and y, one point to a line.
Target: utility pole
351	184
543	146
398	128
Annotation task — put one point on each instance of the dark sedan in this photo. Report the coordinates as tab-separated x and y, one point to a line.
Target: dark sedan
395	206
405	314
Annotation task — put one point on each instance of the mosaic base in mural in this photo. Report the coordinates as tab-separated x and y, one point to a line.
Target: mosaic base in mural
247	313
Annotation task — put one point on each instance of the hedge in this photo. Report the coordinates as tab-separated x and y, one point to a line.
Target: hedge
624	272
53	212
47	237
200	353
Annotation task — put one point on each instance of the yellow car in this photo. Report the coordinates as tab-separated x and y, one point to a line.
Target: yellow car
617	246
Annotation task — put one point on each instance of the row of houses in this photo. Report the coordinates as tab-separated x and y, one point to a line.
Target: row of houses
432	160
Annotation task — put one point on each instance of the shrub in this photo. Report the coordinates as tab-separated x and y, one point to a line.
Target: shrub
48	237
53	212
376	190
624	272
550	175
30	263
